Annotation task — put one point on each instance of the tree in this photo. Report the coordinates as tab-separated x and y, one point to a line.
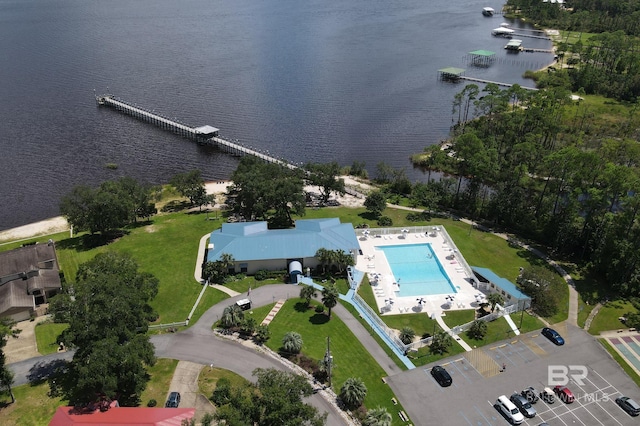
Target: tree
307	293
440	343
190	185
330	297
378	416
274	400
267	191
495	299
325	176
108	321
231	316
292	343
113	205
7	329
353	392
375	203
407	335
478	330
217	271
262	334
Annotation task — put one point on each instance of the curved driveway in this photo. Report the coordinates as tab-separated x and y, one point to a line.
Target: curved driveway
199	344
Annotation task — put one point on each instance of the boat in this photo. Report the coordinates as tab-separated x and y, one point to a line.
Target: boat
488	11
514	45
502	32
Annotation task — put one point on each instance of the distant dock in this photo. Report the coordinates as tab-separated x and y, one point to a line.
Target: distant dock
204	134
456	74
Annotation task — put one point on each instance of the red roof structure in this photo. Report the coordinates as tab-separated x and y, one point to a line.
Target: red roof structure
144	416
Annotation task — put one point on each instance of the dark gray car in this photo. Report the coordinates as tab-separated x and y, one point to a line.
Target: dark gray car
523	405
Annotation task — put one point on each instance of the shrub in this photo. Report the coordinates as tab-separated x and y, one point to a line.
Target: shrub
385	221
152	403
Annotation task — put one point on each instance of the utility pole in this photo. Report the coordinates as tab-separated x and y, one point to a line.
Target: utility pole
328	359
524	302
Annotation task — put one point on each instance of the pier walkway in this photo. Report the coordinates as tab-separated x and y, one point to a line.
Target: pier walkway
481	80
203	134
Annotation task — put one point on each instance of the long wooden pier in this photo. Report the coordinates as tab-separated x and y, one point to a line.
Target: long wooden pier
203	134
481	80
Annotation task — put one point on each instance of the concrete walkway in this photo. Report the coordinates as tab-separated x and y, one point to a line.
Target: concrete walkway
453	335
24	346
185	381
573	294
197	275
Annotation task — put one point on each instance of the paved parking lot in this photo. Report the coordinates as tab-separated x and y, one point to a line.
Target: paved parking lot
478	381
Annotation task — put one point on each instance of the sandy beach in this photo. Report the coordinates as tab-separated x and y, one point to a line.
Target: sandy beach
59	224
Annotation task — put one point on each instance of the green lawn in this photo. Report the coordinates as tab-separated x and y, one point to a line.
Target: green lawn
167	248
458	317
158	387
46	335
608	316
33	406
350	357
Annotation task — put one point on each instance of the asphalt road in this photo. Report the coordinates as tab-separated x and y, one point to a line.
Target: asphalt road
478	382
199	344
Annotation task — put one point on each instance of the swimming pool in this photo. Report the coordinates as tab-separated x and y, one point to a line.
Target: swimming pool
417	270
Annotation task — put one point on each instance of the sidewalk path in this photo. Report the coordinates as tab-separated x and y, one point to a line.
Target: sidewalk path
197	275
454	336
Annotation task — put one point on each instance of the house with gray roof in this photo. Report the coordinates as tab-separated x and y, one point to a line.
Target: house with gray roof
254	247
29	276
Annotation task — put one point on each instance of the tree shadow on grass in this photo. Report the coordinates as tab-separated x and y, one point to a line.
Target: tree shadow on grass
368	216
319	319
301	306
87	242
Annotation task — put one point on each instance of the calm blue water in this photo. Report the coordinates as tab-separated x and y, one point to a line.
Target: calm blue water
417	269
308	81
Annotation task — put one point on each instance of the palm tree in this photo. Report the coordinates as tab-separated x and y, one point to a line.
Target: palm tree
406	335
330	297
231	316
227	262
477	330
440	343
378	416
307	293
323	255
292	342
353	392
495	299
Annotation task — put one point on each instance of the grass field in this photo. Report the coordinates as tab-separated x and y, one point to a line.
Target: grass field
167	247
608	317
158	387
350	357
46	335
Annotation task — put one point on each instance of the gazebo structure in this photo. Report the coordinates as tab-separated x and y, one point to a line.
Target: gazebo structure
481	58
451	73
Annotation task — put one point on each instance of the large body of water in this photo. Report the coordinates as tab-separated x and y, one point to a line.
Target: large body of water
308	81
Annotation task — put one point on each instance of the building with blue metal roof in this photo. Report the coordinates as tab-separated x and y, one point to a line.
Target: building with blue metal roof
489	280
254	247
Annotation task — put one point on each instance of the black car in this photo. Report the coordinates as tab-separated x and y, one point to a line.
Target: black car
441	375
553	335
530	394
173	401
523	405
628	405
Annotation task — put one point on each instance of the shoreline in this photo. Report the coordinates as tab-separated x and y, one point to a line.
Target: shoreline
59	224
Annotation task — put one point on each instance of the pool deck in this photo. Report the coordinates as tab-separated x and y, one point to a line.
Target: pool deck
385	287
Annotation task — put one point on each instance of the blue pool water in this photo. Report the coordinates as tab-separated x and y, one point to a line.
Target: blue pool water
417	269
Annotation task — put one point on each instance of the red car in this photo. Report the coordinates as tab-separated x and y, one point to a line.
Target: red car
564	394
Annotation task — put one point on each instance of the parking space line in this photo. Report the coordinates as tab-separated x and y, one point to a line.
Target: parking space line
483	363
533	346
455	365
465	417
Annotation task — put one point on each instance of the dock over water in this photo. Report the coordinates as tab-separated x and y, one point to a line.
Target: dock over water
457	74
203	134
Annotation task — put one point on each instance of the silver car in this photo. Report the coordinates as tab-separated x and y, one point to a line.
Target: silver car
523	405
